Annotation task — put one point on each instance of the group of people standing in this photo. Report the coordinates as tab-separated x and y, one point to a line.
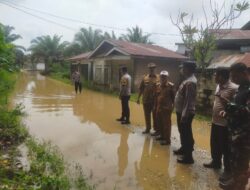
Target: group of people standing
230	131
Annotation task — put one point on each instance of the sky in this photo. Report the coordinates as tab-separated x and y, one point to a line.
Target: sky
153	16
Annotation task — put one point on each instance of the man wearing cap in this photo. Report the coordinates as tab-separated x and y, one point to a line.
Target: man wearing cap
165	104
147	90
125	92
185	111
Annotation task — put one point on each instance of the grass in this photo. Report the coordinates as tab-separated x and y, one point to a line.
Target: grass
48	170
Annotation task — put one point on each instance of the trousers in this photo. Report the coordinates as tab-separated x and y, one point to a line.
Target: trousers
148	110
164	122
186	133
125	107
220	145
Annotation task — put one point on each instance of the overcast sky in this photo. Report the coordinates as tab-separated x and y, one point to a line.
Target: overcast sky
151	15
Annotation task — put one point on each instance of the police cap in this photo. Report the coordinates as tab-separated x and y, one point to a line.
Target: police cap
191	65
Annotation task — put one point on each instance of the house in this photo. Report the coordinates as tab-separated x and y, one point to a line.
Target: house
232	46
107	59
81	63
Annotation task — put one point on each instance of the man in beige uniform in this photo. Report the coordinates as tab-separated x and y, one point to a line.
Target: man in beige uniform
219	143
147	90
165	105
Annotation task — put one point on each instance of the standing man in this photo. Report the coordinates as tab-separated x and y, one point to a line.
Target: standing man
165	105
238	114
76	77
219	142
147	90
125	92
185	111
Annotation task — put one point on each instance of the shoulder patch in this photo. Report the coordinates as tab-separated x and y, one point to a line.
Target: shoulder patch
171	84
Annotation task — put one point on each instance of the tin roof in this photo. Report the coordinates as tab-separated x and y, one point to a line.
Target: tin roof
231	34
146	49
79	57
139	49
228	60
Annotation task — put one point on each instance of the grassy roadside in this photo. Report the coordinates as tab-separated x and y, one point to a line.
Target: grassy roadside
41	166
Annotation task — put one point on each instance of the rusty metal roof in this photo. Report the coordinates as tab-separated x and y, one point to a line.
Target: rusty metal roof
139	49
79	57
231	34
135	49
228	60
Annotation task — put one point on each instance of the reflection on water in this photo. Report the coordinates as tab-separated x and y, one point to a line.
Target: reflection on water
83	126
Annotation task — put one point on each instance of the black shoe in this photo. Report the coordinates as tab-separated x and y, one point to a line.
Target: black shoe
155	134
212	165
179	151
159	139
125	122
120	119
145	132
226	181
164	142
225	176
185	160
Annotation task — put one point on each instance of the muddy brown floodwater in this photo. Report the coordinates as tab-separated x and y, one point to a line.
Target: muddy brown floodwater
112	156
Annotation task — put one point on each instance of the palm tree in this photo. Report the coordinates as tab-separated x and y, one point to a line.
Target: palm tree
136	35
48	48
9	38
107	36
88	39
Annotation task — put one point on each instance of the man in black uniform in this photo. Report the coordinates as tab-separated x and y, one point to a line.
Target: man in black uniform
238	114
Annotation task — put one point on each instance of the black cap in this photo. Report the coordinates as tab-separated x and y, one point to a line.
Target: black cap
124	68
191	65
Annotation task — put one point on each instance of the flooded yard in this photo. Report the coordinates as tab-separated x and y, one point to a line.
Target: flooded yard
113	156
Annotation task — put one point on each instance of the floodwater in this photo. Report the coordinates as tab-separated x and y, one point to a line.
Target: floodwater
112	156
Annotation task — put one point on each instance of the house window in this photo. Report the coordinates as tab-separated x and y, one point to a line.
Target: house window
98	74
106	75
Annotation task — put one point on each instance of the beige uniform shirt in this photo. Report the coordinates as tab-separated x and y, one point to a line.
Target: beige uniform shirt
223	94
148	88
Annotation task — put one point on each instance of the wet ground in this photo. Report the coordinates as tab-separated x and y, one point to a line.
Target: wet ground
112	156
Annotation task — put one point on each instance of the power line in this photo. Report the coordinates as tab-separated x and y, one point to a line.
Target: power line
87	23
41	18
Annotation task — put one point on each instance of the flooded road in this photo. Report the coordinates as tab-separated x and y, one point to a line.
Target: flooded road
112	156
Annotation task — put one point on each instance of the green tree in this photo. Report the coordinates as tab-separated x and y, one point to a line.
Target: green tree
10	38
136	35
7	56
200	38
107	36
88	39
49	49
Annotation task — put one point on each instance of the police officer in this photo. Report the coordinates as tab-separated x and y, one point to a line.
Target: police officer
185	100
165	104
147	90
238	114
125	92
